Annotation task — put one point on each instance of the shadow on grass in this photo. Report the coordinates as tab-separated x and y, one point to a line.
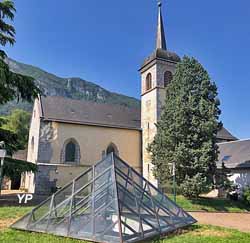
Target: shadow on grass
179	232
219	204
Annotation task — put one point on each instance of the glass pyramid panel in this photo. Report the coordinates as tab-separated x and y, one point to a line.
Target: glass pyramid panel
145	211
111	203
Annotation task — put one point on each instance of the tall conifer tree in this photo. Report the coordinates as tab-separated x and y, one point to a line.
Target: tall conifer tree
186	132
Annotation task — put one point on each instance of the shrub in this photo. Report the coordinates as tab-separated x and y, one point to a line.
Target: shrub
246	195
193	187
168	188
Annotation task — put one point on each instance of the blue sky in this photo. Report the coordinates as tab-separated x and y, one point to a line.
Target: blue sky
106	41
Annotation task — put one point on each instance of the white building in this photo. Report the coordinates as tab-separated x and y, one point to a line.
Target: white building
236	157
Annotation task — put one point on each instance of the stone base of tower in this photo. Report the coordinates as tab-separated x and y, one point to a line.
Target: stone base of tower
148	174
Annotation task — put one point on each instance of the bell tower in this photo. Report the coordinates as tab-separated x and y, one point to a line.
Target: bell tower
156	73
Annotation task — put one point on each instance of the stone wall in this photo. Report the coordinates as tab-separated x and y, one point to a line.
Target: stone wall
46	138
92	143
92	140
50	178
152	102
43	184
27	181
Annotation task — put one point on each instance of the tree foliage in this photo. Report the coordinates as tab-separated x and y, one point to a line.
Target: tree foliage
14	168
10	140
246	195
15	86
7	31
17	123
12	85
192	187
222	179
186	132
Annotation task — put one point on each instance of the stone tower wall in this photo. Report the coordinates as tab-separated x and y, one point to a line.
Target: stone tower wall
152	102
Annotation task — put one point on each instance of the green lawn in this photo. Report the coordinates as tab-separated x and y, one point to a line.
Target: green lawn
195	234
211	205
207	234
13	212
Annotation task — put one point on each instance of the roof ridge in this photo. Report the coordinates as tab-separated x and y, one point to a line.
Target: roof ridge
88	101
240	140
66	110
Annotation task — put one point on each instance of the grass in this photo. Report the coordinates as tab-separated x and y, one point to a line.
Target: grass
9	235
211	205
13	212
194	234
207	234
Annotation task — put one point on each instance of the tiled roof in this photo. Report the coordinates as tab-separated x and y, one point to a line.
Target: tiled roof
235	154
66	110
163	55
225	134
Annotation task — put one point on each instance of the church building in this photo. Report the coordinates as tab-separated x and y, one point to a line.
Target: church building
68	136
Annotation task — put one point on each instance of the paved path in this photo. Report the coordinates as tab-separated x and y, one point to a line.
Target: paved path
240	221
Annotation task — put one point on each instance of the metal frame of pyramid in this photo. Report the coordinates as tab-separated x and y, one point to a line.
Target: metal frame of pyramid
110	202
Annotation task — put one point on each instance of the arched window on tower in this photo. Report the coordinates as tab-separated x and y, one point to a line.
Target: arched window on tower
168	76
112	149
32	143
149	81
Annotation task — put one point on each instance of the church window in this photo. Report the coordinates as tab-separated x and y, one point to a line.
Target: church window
112	149
32	143
168	76
70	152
149	81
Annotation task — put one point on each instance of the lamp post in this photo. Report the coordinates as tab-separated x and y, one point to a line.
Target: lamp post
2	156
174	179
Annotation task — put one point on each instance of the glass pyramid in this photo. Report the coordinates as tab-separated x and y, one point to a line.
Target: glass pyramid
110	202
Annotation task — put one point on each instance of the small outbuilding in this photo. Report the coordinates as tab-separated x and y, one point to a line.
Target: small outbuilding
236	156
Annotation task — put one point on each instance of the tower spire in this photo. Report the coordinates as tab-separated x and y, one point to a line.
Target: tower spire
160	39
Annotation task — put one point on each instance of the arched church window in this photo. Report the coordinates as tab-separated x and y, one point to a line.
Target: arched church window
112	149
168	76
70	152
149	81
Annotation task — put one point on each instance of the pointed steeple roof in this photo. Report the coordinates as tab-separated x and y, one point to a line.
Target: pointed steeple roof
160	52
160	39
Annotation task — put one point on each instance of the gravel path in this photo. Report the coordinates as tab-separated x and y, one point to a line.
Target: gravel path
239	221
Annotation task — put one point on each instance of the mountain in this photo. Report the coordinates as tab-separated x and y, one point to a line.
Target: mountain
74	88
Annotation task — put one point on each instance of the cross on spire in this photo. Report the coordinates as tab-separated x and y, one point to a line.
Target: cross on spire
160	39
